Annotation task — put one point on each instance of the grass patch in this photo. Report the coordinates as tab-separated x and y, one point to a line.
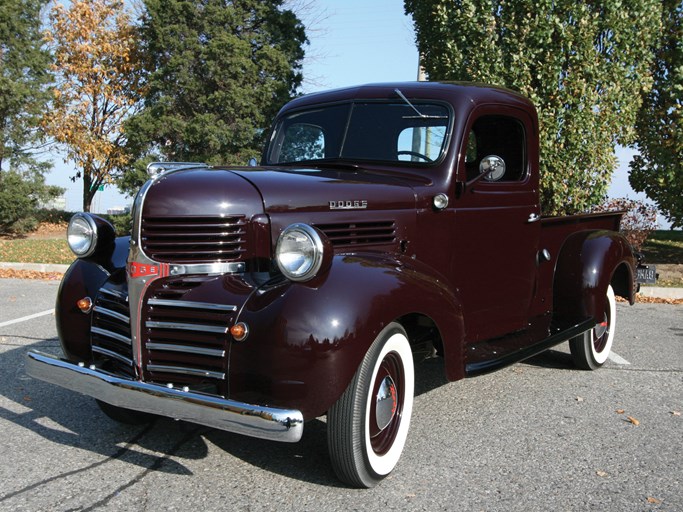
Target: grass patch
28	250
664	247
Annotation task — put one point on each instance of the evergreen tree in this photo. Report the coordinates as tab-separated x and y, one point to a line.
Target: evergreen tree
658	169
24	77
218	73
583	64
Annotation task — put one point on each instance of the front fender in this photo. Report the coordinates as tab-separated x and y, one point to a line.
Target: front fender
588	263
307	339
83	279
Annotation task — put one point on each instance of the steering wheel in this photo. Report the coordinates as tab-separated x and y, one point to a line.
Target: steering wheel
416	154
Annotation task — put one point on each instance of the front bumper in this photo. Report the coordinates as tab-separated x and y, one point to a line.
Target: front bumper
264	422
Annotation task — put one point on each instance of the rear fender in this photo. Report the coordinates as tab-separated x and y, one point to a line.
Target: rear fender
588	263
307	340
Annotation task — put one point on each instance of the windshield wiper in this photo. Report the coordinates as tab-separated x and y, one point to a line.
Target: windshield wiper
419	115
321	162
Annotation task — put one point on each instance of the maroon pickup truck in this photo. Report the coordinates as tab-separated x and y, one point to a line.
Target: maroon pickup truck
386	223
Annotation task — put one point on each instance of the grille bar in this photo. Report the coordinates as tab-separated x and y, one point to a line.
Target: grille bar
112	354
191	304
113	314
186	349
186	327
197	372
110	334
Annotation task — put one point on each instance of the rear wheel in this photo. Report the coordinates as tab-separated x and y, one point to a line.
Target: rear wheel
591	349
368	426
127	416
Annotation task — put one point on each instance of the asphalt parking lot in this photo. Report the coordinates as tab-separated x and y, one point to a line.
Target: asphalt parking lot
536	436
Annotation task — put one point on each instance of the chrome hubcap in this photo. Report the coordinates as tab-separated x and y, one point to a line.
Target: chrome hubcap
386	403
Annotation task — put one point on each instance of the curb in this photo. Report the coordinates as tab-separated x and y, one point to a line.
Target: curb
36	267
659	292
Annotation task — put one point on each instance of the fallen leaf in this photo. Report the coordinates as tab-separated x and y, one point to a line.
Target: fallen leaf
620	411
27	398
655	501
631	419
601	473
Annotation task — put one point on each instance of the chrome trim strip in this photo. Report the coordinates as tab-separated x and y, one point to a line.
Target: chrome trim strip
185	371
186	327
112	354
264	422
191	304
113	314
110	334
233	267
114	293
185	349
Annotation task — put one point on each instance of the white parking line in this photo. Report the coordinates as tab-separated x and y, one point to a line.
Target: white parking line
616	358
29	317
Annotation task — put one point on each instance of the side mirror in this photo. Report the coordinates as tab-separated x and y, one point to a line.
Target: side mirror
252	162
492	168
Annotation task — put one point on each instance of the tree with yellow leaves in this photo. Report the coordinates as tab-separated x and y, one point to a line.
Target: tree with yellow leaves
99	84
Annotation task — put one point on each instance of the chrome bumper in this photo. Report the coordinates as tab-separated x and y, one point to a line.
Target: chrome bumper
284	425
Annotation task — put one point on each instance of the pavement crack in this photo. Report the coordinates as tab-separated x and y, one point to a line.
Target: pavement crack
155	466
117	455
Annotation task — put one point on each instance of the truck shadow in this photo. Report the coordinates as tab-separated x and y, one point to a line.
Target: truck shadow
69	419
72	420
552	359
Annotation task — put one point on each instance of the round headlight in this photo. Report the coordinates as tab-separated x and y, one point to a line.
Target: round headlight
299	252
82	235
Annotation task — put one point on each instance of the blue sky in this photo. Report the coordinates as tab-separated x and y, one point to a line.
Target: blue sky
351	42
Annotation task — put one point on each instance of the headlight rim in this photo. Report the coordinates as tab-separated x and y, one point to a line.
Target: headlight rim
92	247
318	257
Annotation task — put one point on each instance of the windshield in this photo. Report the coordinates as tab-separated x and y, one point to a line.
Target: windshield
372	131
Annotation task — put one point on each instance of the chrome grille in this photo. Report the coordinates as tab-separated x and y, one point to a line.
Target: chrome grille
359	233
110	330
194	239
186	341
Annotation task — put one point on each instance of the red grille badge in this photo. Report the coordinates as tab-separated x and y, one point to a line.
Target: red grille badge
145	270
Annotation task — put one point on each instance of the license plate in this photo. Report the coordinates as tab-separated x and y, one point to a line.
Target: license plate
646	274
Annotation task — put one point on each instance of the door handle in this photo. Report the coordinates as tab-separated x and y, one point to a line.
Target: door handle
533	217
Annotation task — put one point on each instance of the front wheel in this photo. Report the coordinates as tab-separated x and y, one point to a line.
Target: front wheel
368	426
591	349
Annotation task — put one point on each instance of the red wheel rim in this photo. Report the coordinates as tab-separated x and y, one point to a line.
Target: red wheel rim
382	440
601	332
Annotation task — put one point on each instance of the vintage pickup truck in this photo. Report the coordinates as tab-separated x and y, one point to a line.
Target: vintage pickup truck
386	223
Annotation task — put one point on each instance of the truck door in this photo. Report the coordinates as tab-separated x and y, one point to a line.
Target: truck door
496	223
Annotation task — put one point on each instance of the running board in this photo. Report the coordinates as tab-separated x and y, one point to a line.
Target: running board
491	365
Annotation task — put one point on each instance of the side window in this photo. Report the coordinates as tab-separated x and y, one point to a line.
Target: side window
500	136
302	142
420	143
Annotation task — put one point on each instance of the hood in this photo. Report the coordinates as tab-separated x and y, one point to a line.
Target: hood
286	190
201	192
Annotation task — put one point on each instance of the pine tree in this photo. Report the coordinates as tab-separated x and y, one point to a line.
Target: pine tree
218	72
24	77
